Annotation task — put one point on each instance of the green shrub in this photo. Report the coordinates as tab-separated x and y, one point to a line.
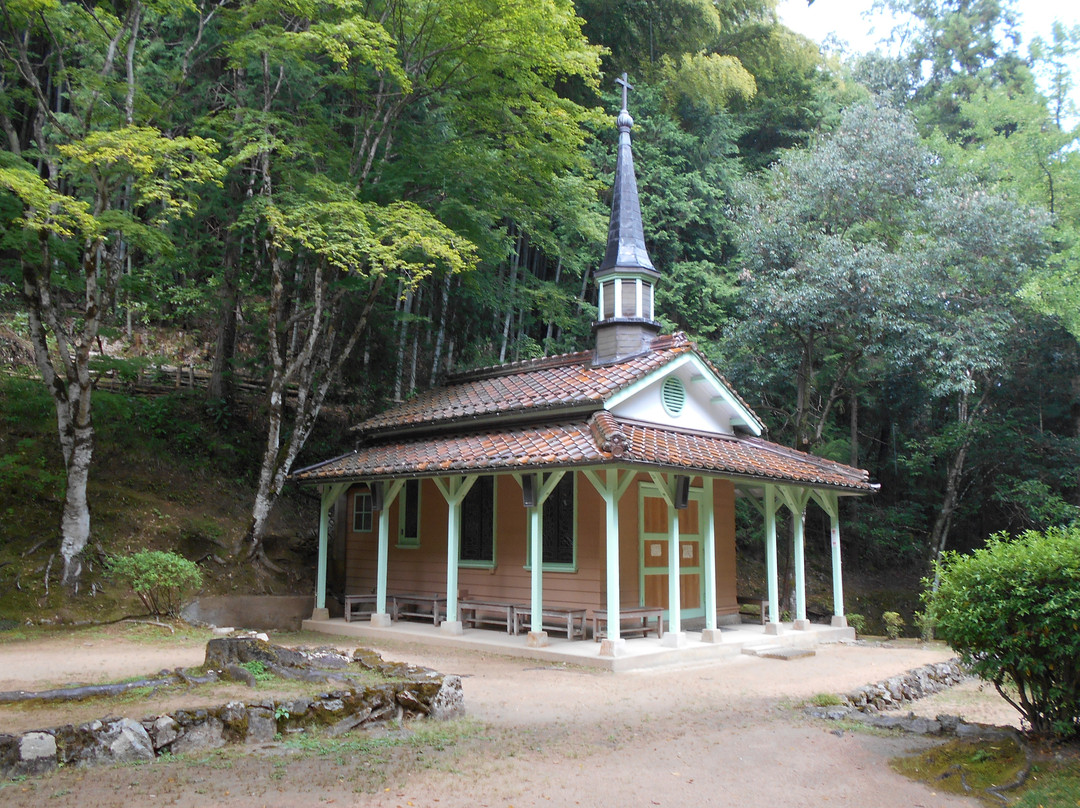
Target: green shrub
1012	611
894	623
857	622
258	669
162	580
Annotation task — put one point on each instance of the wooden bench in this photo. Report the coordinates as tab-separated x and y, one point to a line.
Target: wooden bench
476	613
361	606
640	617
572	621
761	603
425	607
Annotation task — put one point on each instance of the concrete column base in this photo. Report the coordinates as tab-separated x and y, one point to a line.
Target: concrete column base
380	620
712	635
774	628
537	639
674	639
613	648
452	627
320	614
801	625
839	621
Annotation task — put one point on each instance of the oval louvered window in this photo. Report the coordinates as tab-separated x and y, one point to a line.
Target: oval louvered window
673	394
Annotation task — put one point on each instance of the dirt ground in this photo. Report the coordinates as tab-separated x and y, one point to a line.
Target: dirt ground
727	733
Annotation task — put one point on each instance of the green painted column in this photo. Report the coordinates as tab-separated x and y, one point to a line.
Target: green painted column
799	540
325	503
710	555
383	560
770	556
674	572
381	617
611	510
453	555
536	561
839	617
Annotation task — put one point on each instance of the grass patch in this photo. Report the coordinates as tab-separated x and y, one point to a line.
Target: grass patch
434	735
823	700
968	768
1051	786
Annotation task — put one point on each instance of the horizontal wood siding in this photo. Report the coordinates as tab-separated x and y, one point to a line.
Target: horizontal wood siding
422	570
724	512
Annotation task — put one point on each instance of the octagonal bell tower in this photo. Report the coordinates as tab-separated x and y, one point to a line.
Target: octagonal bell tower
626	278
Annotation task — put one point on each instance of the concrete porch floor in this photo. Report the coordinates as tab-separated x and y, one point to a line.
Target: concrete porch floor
637	653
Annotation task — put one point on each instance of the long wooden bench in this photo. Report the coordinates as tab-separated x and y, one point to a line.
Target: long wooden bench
761	603
362	606
425	607
476	613
638	616
570	620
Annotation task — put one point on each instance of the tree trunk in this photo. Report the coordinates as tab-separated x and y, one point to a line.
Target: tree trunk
75	522
220	385
853	457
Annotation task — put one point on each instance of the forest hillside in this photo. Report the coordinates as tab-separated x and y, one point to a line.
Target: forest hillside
230	230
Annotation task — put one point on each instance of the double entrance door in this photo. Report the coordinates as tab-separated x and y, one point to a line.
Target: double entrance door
655	564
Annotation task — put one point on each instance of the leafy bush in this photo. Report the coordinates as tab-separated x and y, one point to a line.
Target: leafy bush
894	623
258	669
162	580
857	622
1012	611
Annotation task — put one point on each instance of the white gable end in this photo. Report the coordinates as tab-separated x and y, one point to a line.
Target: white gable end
684	394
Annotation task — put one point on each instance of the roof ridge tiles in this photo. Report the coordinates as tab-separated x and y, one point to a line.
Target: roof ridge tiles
514	368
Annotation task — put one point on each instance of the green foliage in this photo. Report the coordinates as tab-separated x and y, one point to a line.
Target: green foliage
857	622
1012	611
894	624
261	673
163	581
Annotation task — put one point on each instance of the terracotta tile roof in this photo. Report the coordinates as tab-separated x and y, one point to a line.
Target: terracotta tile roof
738	456
539	388
600	440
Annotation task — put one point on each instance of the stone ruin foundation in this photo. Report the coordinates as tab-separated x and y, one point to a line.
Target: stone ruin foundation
410	692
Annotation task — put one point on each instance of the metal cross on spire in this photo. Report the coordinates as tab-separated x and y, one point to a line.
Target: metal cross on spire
626	85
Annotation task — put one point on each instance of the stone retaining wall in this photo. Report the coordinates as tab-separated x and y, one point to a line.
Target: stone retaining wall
422	693
895	691
865	704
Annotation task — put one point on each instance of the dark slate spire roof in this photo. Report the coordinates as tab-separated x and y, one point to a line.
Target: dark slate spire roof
626	237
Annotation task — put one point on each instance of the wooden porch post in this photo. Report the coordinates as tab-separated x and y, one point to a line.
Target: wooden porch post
773	626
830	503
796	502
381	617
330	494
453	491
538	638
612	491
711	633
674	636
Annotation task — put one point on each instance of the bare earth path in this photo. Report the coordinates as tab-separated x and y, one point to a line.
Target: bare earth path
725	734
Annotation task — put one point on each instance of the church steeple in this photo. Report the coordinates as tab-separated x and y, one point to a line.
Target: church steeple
626	277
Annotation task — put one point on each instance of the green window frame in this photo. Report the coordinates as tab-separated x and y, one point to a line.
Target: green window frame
363	518
477	545
409	515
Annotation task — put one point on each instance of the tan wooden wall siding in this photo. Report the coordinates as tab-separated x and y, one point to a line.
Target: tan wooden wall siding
422	570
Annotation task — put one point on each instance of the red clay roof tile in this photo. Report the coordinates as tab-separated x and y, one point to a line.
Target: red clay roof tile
590	443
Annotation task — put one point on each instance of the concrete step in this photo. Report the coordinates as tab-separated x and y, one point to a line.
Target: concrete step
779	652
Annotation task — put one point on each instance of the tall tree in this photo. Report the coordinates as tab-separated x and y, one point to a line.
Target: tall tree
434	103
97	181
